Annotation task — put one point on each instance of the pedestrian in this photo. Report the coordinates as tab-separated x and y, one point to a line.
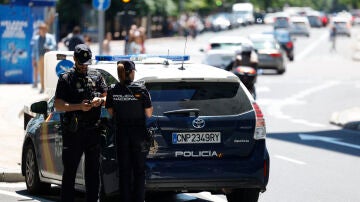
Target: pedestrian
106	43
80	92
129	103
142	31
333	38
41	43
75	39
136	44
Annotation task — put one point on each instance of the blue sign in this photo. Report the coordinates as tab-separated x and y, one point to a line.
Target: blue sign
16	32
101	5
63	66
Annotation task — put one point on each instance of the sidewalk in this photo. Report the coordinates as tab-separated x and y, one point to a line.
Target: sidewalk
13	99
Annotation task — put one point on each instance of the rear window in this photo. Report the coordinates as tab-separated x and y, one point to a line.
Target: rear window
266	44
228	46
211	98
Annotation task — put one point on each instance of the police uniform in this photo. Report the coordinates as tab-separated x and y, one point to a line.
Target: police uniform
128	103
80	134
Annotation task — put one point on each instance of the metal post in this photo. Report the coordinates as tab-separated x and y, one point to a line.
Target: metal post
101	19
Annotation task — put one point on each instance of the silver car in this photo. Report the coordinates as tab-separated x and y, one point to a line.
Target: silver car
270	54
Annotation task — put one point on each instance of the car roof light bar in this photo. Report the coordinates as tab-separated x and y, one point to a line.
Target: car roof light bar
140	57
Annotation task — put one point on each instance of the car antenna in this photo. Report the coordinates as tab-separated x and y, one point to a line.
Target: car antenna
166	62
182	64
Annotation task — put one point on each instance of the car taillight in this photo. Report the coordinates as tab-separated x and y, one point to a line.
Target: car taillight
209	47
275	55
260	130
246	70
289	44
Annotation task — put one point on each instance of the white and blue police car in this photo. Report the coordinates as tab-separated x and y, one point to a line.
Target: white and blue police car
209	132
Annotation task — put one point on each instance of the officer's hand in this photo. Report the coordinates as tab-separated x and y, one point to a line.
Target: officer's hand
86	105
96	102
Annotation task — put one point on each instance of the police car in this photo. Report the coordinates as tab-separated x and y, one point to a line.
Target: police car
209	133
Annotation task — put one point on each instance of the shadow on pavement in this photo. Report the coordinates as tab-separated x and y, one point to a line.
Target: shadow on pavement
343	141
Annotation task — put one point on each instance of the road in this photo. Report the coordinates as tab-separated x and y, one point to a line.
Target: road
311	160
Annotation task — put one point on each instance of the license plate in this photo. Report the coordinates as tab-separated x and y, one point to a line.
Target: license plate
196	138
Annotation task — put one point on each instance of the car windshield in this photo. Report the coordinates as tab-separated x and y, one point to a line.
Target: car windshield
264	44
211	98
229	46
281	22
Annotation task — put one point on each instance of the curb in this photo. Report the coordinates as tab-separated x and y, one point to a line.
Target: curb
11	177
348	119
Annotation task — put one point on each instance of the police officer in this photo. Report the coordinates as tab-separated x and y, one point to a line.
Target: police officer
80	93
130	104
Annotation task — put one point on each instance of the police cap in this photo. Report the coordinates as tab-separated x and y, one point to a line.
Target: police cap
83	53
128	65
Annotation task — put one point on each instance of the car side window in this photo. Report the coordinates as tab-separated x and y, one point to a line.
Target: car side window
51	110
109	79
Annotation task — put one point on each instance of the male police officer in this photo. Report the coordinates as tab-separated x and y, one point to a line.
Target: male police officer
80	93
129	103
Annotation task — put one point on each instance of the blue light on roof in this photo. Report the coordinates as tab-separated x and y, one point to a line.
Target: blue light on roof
141	57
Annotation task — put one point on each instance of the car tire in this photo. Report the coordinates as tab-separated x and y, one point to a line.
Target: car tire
243	195
32	180
280	71
153	196
291	57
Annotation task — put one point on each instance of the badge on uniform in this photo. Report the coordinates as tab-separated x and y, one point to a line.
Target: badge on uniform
137	95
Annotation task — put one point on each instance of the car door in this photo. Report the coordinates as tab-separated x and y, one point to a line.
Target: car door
50	144
50	147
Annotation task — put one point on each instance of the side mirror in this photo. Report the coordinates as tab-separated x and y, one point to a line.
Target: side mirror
39	107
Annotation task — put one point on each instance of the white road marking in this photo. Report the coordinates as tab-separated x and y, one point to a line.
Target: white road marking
290	159
308	49
213	198
13	185
262	89
275	109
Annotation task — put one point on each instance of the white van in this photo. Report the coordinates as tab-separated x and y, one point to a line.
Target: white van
244	11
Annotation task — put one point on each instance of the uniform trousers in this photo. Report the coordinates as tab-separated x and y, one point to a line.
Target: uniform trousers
131	160
85	141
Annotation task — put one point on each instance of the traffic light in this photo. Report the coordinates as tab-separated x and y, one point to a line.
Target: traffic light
126	1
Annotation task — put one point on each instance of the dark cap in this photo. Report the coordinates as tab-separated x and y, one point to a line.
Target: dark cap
128	65
83	53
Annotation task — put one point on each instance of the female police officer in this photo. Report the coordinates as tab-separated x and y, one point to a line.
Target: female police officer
129	103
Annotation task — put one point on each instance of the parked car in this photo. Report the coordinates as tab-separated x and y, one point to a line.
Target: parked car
209	133
221	50
270	54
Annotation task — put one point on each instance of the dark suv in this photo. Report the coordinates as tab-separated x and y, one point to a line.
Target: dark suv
209	135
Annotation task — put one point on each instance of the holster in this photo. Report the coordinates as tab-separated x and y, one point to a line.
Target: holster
70	123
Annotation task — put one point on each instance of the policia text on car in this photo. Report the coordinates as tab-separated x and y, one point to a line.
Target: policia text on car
80	92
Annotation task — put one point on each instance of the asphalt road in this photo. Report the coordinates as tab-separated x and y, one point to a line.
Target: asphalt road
311	160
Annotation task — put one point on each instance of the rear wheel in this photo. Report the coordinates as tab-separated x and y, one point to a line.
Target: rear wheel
33	183
243	195
280	71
